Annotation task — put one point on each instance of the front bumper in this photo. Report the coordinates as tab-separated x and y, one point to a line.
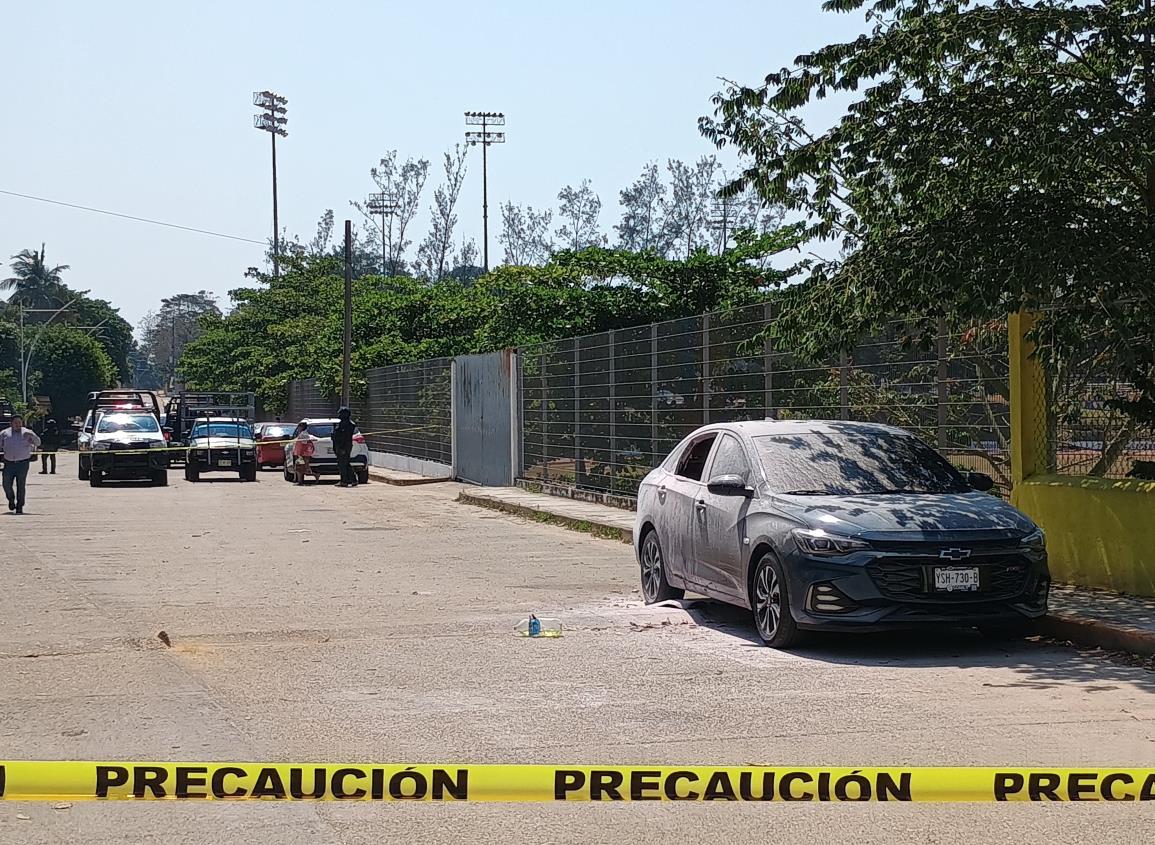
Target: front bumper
210	460
897	592
128	464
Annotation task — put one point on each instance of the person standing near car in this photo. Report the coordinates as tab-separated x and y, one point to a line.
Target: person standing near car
302	453
18	445
49	444
343	446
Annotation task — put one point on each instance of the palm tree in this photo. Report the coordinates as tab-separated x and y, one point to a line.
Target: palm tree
33	283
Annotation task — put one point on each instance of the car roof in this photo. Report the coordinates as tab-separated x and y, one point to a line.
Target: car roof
762	428
315	420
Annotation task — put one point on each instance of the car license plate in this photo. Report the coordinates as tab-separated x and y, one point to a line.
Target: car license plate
224	462
950	579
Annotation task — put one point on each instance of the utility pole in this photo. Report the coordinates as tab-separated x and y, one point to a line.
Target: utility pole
26	358
272	120
348	344
386	206
484	119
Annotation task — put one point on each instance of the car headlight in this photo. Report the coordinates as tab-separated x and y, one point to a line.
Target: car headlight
815	541
1035	541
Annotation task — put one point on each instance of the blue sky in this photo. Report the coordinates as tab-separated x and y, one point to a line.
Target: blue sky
145	109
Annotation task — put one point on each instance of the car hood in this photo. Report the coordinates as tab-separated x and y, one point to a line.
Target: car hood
221	443
921	515
124	438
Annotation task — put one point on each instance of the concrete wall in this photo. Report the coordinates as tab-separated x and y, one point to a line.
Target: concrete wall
404	463
1100	532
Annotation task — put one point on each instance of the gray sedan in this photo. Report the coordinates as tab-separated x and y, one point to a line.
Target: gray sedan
839	526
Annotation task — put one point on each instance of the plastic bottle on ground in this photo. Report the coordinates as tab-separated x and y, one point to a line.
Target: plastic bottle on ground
538	626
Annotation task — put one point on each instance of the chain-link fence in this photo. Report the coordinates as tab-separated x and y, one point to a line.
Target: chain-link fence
406	410
306	401
599	411
1088	429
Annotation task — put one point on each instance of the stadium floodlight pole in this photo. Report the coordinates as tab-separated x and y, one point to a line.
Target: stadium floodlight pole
722	220
272	120
386	206
484	119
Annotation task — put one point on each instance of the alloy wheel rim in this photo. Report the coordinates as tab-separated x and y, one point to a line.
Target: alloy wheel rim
651	567
767	601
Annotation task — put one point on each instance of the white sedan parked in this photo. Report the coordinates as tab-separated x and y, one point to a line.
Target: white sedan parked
324	460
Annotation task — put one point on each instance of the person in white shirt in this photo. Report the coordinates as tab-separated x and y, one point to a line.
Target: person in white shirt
17	444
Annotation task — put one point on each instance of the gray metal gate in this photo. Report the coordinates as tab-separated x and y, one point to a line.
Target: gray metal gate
485	417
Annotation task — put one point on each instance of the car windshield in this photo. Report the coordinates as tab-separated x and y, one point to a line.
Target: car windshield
321	429
855	461
112	423
222	429
276	432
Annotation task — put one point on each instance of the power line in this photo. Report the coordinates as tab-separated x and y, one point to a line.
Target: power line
131	217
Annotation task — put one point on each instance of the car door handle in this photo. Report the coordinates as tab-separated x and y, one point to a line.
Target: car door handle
701	504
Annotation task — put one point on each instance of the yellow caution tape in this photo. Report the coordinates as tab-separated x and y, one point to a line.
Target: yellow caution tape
159	449
45	780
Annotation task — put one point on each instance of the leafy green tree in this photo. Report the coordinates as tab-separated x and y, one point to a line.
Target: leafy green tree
291	327
993	156
114	333
578	212
166	331
67	365
525	234
33	283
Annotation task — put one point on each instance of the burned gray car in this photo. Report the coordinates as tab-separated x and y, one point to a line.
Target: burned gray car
838	526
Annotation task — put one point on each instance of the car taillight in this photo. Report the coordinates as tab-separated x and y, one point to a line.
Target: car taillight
167	437
358	438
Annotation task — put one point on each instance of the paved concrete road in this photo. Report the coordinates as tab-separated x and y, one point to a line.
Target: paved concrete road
375	624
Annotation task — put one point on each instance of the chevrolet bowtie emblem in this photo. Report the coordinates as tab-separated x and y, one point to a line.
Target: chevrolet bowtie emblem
954	554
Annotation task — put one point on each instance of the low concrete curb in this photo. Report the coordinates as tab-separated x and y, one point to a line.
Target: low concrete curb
1095	632
401	479
588	526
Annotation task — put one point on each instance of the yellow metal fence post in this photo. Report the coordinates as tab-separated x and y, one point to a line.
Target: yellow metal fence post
1028	403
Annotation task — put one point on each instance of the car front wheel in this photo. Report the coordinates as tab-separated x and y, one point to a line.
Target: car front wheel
770	601
655	587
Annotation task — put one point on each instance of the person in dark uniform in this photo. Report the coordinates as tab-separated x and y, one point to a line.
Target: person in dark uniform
343	447
49	444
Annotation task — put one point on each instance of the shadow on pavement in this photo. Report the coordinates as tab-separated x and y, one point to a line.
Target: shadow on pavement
1042	664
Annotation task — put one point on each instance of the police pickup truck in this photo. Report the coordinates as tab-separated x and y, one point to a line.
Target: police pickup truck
221	444
117	439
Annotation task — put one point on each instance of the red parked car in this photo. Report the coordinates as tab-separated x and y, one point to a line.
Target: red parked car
269	438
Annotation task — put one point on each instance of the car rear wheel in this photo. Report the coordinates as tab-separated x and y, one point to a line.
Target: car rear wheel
363	476
191	473
160	477
655	587
95	478
249	473
82	472
771	605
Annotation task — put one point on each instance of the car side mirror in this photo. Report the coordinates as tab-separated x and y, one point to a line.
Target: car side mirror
730	485
980	481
